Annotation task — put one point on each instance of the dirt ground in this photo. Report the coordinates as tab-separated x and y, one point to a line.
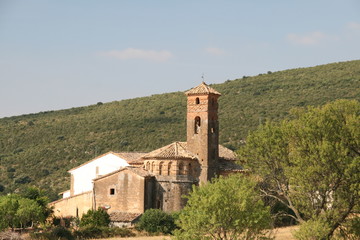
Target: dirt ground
279	233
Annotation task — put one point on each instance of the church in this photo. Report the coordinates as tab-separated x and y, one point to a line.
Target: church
128	183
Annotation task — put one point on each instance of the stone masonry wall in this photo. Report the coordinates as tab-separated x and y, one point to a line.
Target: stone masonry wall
74	206
123	191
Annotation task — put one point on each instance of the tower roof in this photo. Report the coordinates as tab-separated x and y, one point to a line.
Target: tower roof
176	150
203	88
179	150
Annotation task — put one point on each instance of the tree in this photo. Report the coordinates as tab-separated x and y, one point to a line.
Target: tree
226	208
96	218
310	162
28	212
156	220
8	208
40	198
16	211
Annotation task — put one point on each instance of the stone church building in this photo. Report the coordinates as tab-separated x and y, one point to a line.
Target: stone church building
129	183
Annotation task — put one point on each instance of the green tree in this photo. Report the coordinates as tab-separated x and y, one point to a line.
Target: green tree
156	220
28	212
16	211
96	218
40	197
310	163
8	207
226	208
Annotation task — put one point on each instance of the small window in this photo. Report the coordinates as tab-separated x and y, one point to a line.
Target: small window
112	191
197	101
181	169
160	168
169	169
197	125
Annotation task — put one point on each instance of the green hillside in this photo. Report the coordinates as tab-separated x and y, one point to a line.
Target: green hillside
38	149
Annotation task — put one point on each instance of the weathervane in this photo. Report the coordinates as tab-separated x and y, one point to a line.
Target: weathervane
203	77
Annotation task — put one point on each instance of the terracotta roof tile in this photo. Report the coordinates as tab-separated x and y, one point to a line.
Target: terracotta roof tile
127	156
176	150
137	170
226	153
203	88
130	156
123	216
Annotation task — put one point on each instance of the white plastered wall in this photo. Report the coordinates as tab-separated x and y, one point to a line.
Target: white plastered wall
84	175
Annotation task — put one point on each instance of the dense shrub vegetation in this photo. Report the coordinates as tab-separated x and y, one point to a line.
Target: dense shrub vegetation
38	149
227	208
157	221
95	218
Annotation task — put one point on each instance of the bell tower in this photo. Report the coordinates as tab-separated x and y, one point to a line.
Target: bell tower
203	128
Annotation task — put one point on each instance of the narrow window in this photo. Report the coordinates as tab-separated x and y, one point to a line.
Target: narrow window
197	101
169	169
112	191
197	125
181	169
152	167
160	168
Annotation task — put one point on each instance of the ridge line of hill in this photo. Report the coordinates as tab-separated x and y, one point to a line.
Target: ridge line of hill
39	148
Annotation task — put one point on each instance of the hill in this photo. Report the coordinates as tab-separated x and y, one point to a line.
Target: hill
38	149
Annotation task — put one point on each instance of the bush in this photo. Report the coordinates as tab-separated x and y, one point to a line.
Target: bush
102	232
62	233
227	208
313	229
98	218
156	221
57	233
64	221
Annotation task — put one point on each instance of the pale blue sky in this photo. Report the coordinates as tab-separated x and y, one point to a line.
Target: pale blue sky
63	54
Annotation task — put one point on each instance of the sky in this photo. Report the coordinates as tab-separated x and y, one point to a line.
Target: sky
63	54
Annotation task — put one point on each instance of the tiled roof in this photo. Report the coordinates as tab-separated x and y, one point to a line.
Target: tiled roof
130	156
176	150
203	88
123	216
137	170
127	156
226	153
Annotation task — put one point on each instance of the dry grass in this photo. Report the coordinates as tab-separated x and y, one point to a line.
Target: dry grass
284	233
140	238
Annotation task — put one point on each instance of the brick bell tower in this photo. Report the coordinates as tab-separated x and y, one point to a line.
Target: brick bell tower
203	128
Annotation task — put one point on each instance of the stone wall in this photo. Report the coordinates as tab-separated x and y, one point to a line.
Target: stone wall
74	206
170	192
123	191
